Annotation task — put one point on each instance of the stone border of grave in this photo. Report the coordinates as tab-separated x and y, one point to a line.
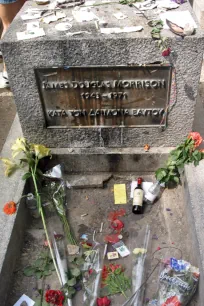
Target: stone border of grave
12	228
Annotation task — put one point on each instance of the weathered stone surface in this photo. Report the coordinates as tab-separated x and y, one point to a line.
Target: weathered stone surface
87	181
56	49
194	182
11	227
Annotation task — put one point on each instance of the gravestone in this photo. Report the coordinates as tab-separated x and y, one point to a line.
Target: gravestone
95	90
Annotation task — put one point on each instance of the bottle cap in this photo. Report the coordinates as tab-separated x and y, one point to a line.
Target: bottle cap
139	180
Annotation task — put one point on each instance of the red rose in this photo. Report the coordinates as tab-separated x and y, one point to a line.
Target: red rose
104	301
196	138
115	267
166	52
55	297
104	273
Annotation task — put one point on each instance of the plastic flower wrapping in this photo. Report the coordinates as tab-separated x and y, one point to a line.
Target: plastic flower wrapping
178	282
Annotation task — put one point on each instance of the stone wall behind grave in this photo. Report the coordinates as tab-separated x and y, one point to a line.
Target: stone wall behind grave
55	49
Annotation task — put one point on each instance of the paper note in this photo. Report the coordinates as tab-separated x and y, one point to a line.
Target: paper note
26	299
83	14
119	15
37	32
145	187
120	194
121	30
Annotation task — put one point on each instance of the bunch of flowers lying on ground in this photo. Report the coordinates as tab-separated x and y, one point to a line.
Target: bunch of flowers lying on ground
29	155
185	153
114	280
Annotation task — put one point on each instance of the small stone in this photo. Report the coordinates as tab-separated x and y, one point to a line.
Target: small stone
168	209
120	237
72	249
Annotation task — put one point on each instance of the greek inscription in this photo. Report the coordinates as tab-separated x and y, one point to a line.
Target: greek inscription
106	112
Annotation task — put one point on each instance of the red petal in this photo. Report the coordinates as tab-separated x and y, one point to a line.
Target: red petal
117	224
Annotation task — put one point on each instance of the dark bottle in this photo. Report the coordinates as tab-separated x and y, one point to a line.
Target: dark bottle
138	195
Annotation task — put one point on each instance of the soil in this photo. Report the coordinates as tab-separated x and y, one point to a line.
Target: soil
87	209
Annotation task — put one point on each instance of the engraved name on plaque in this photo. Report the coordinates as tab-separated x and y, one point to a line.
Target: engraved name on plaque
104	96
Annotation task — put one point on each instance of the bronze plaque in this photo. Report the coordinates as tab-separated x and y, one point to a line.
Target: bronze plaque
132	96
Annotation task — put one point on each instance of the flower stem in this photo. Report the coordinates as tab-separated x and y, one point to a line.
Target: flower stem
44	224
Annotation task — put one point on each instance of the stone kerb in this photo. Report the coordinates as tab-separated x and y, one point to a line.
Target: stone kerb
55	49
11	227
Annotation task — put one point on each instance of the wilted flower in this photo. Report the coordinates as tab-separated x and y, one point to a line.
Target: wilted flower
19	146
196	138
10	166
9	208
137	251
146	147
41	151
166	52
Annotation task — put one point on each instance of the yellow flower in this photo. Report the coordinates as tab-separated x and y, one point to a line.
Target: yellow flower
139	251
18	146
10	166
41	151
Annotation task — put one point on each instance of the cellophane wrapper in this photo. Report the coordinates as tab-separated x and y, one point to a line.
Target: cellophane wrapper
94	260
178	282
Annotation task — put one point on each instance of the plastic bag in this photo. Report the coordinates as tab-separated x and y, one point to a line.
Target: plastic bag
56	188
178	282
140	264
93	266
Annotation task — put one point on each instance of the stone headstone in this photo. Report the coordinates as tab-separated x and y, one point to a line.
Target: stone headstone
99	90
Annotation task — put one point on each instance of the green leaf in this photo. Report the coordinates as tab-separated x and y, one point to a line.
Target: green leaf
196	163
44	303
161	173
38	274
29	271
31	162
50	267
71	282
155	30
26	176
176	179
75	272
38	302
71	292
79	261
117	271
72	258
39	262
23	160
39	172
46	273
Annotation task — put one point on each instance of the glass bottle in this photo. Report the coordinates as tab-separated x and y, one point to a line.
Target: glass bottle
153	193
138	197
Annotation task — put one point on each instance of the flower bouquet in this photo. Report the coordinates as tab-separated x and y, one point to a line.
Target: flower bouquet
178	282
184	154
